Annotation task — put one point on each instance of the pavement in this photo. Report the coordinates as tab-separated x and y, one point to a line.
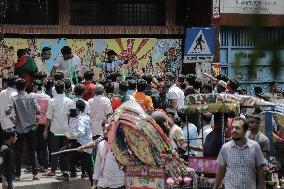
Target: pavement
26	182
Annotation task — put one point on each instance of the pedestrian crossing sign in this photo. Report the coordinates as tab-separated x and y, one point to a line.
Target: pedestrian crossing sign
199	44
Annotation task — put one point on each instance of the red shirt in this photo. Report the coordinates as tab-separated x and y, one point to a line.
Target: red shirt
89	91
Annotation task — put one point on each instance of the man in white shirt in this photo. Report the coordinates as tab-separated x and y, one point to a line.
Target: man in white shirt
175	94
100	110
207	128
68	63
107	174
57	120
5	101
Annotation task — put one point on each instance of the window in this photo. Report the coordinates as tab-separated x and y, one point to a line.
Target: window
31	12
117	12
182	12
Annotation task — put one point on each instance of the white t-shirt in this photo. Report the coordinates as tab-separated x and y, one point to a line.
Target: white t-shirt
70	64
5	101
175	93
175	135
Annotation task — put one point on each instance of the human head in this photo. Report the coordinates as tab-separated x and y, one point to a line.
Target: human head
141	85
88	75
111	55
99	89
80	106
41	76
169	77
234	84
206	117
46	53
162	120
254	122
10	135
179	80
49	83
109	88
243	92
20	84
162	87
239	128
170	113
37	84
272	87
58	76
123	86
66	52
11	80
79	89
68	85
258	91
132	84
21	52
59	87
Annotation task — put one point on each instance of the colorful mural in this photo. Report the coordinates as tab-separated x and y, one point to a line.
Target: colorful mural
150	55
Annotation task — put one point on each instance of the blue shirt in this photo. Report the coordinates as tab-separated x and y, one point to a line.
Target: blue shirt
191	135
83	131
109	68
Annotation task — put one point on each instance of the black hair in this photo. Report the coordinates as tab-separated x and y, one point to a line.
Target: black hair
234	84
206	86
66	50
190	78
80	105
11	80
21	52
79	89
132	84
58	76
123	86
40	75
177	121
111	52
182	115
50	83
109	88
147	78
20	84
181	78
141	85
44	49
197	83
59	87
170	111
207	117
244	120
74	80
38	84
68	84
8	133
113	77
257	90
88	75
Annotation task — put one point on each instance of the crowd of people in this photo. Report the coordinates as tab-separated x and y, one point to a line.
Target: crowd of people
68	109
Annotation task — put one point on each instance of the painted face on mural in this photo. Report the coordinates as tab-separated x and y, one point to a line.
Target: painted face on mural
111	58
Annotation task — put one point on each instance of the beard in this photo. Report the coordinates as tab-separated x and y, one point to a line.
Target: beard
236	138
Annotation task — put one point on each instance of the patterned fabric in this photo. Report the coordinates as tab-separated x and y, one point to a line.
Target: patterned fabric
241	164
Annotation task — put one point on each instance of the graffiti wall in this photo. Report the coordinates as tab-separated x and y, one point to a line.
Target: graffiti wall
150	55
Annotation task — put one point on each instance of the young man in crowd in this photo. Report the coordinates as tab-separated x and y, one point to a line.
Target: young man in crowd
100	110
82	134
41	61
42	99
5	100
68	63
89	85
111	176
240	160
144	100
57	122
7	164
27	112
255	134
175	94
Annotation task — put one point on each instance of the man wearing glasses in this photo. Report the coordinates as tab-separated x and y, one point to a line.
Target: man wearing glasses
41	61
